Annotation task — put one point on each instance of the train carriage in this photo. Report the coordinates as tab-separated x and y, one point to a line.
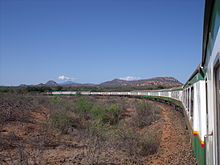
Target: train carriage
194	103
211	66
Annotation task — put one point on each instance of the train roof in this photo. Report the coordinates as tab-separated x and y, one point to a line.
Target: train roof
161	90
212	8
197	75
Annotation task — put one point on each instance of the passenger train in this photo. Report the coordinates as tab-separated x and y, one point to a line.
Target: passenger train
200	95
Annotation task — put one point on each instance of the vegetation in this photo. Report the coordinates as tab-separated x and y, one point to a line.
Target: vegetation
15	108
60	119
107	114
146	114
83	107
99	123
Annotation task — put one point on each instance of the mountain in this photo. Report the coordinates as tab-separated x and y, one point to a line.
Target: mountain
51	83
148	83
152	82
115	82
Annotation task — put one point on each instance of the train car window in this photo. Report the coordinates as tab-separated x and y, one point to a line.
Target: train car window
217	93
206	90
188	106
186	99
192	101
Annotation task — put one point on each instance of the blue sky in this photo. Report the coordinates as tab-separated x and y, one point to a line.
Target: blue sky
92	41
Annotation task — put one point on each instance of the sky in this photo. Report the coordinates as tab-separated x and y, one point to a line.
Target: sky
92	41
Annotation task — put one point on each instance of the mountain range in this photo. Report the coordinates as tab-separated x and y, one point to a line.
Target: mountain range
151	82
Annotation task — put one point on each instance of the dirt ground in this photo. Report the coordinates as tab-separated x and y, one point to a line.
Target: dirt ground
29	143
175	146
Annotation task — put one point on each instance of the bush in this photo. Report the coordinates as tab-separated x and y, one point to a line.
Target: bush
146	114
15	108
38	89
60	117
98	112
113	113
58	103
135	144
83	107
149	145
60	120
4	89
56	100
107	114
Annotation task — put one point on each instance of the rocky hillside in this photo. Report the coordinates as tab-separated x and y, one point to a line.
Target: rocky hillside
51	83
156	81
146	83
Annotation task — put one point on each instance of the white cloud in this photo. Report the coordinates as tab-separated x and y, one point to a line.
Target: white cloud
65	78
130	78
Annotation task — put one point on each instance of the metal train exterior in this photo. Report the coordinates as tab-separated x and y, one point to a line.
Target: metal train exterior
200	95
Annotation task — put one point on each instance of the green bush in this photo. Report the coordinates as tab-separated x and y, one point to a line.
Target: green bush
100	129
107	114
113	114
83	107
98	112
58	103
4	89
38	89
60	120
56	100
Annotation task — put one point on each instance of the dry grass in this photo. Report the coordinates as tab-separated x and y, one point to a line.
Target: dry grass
92	129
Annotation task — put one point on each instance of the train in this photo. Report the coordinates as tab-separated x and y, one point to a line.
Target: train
200	95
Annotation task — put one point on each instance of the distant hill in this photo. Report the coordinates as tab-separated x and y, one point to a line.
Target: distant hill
156	81
51	83
146	83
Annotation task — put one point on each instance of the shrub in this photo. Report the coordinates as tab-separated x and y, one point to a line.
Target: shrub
15	108
83	107
56	100
149	145
58	103
38	89
146	114
135	144
98	112
107	114
99	129
58	88
60	119
127	141
4	89
113	114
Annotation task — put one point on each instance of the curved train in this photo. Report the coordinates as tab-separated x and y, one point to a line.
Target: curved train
200	95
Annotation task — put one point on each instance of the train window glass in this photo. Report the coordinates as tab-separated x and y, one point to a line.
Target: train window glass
188	95
186	99
206	90
192	101
217	88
